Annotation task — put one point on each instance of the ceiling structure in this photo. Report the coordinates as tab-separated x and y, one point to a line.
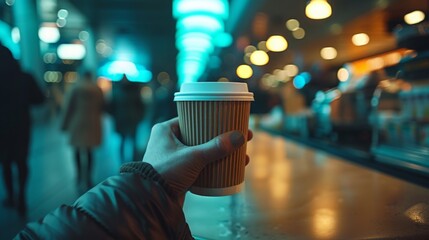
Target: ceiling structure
142	30
375	18
145	30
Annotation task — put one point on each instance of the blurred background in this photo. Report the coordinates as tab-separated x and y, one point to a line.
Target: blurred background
349	77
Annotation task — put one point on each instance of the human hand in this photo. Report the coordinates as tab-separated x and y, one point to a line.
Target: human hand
179	164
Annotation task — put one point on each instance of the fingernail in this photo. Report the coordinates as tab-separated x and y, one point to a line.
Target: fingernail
237	139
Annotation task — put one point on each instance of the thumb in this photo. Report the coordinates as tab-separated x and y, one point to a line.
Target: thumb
220	146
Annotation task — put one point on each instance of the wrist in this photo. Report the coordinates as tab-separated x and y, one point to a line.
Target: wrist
146	171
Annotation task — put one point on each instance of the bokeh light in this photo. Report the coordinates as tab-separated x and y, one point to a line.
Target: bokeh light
259	58
62	13
328	53
49	33
83	36
244	71
277	43
298	33
318	9
71	51
414	17
343	74
292	24
291	70
360	39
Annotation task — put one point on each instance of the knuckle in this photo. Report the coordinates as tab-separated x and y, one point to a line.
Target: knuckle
157	128
221	145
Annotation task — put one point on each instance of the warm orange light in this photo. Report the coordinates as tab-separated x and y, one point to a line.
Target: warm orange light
343	74
292	24
244	71
364	66
105	84
262	45
318	9
414	17
249	49
291	70
277	43
299	33
259	58
328	53
360	39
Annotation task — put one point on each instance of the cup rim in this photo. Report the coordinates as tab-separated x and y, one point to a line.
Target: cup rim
213	91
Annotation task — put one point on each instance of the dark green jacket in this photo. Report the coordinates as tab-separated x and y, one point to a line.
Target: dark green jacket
137	204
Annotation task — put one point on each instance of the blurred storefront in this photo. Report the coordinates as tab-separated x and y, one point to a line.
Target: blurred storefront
401	105
373	106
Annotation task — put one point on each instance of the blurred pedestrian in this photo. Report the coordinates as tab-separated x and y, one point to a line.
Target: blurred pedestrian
82	118
164	106
127	109
18	92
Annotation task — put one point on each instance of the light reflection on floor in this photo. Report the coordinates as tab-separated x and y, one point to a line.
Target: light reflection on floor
293	192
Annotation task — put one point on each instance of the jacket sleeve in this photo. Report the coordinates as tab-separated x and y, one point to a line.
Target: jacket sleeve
137	204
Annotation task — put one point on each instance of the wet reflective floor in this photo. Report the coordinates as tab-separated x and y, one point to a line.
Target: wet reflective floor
291	192
294	192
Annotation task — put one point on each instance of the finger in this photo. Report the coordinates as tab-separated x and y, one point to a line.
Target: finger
220	146
174	120
174	126
171	125
181	199
249	135
166	126
247	159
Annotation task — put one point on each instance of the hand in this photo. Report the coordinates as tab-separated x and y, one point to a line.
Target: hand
179	164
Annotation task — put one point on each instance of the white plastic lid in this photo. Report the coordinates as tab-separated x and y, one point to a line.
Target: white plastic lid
213	91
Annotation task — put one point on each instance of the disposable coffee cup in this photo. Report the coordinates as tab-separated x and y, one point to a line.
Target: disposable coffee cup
206	110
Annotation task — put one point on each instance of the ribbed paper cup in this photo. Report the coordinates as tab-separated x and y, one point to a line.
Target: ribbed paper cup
206	110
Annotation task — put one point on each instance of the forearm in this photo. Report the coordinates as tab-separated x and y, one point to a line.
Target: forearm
140	199
134	205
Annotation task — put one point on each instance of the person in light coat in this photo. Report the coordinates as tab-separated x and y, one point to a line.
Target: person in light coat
82	121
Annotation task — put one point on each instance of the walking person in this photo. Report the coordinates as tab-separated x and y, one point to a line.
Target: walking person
82	120
18	92
127	109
